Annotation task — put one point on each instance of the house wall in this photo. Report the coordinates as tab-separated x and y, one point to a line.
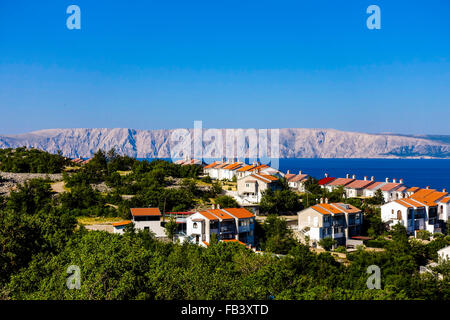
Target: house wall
154	226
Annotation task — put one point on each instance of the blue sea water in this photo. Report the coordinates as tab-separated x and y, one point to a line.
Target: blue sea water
434	173
414	172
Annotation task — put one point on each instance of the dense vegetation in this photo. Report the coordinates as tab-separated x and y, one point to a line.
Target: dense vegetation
40	239
25	160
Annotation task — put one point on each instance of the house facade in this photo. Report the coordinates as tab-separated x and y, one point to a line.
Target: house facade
251	187
148	219
227	224
338	221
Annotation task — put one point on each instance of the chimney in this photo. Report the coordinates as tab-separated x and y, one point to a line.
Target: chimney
218	206
365	178
321	200
444	190
213	206
347	176
394	180
372	178
326	200
354	176
401	181
326	175
387	179
300	172
288	172
428	187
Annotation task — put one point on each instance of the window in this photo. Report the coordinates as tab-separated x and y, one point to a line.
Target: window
247	185
194	225
399	215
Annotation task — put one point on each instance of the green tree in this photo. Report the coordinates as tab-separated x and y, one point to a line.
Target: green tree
327	243
226	202
171	228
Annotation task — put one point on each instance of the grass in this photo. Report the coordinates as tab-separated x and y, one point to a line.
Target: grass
97	220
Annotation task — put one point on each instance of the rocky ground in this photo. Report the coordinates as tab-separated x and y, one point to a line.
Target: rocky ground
9	180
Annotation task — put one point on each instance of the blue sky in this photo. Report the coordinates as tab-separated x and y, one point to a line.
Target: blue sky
249	64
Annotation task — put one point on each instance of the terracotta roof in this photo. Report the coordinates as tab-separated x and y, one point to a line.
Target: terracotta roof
245	168
222	165
325	181
346	207
359	184
390	186
260	167
413	189
264	177
402	189
299	177
412	202
233	166
341	182
205	243
375	185
222	215
335	208
240	213
404	203
289	176
445	200
208	215
121	223
423	192
145	212
212	165
434	196
424	202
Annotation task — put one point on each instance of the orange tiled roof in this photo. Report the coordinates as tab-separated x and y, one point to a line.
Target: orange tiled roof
413	189
445	200
423	192
121	223
145	212
208	215
212	165
222	215
240	213
299	177
346	207
246	168
412	202
234	240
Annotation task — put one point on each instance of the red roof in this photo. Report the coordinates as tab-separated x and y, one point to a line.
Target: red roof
145	212
390	186
240	213
121	223
325	180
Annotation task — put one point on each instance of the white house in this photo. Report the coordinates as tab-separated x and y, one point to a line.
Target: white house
409	213
296	181
338	221
356	188
148	219
251	187
227	224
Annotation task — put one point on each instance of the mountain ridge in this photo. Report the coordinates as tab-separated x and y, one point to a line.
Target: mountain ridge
294	143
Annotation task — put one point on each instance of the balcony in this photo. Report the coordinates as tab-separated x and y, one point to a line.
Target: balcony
244	229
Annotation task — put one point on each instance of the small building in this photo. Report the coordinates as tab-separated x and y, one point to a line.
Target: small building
356	188
297	181
148	219
339	221
227	224
251	187
119	227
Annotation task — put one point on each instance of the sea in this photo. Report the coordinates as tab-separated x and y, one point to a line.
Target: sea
434	173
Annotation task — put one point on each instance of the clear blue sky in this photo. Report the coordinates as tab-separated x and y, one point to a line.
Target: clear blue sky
245	63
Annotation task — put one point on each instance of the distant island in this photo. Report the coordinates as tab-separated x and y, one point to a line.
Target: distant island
294	143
